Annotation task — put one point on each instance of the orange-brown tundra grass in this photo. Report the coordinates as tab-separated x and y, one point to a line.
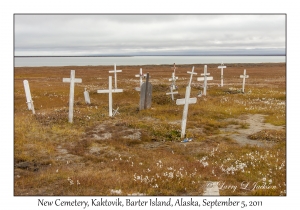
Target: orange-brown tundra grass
140	152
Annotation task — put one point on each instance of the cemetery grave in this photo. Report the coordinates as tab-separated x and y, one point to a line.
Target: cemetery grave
205	78
222	77
140	151
72	80
29	100
244	77
173	85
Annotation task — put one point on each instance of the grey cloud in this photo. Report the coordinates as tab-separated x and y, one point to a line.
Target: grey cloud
124	33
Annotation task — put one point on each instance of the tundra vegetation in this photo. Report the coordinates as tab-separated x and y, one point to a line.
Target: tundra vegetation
140	152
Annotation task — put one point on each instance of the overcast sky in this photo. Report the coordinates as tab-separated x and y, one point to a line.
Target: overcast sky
71	35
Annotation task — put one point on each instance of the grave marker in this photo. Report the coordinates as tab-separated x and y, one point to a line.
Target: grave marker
146	94
174	68
115	72
204	78
173	86
27	93
72	80
115	112
173	80
86	96
110	91
186	101
141	76
29	100
244	76
222	67
172	93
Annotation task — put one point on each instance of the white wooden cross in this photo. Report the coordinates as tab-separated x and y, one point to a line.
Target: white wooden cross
244	76
115	72
172	93
29	100
222	67
173	80
110	91
186	101
72	80
141	76
204	78
86	96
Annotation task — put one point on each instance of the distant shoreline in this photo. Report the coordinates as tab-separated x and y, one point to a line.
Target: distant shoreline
171	65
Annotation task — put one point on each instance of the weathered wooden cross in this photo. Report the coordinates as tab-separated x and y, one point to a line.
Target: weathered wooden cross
72	80
110	91
115	72
173	86
173	80
146	94
244	76
204	78
222	67
86	96
174	68
141	76
172	93
29	100
186	101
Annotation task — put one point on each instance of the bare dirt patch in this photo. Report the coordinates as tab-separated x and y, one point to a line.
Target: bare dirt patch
253	125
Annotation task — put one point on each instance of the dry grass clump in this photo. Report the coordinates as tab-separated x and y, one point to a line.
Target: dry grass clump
269	135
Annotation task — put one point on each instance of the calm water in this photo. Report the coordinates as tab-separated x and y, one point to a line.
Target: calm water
141	60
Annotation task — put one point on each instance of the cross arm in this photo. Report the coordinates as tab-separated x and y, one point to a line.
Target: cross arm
75	80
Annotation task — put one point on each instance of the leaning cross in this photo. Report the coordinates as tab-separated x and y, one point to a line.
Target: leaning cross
72	80
110	91
244	76
115	72
186	101
222	67
141	76
29	100
205	78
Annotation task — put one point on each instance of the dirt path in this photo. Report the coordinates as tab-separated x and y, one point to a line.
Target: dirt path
255	124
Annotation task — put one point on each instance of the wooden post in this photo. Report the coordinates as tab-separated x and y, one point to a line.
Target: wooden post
146	90
110	91
146	94
32	107
186	101
222	67
244	76
28	94
115	72
204	78
86	96
72	80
